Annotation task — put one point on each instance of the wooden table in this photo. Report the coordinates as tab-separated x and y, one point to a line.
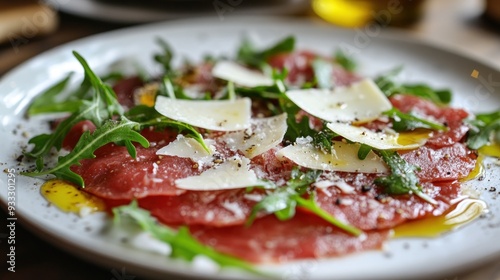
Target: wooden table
454	24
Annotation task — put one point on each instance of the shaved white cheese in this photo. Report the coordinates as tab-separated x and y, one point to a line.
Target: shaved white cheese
234	207
378	140
323	184
240	75
338	182
344	157
234	173
187	147
253	197
360	102
222	115
264	134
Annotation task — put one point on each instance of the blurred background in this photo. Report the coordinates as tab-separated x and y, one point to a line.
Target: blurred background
30	27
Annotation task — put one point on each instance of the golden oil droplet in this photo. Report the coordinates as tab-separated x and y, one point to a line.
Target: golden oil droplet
477	172
464	212
417	136
69	198
491	150
146	95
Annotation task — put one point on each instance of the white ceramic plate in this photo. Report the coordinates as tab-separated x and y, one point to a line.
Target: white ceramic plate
376	51
174	9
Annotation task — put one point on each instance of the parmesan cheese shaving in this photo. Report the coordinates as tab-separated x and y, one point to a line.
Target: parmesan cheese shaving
186	147
344	157
264	134
240	75
233	173
220	115
360	102
378	140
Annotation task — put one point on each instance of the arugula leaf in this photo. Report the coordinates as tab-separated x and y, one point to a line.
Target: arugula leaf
44	142
484	129
252	57
104	91
323	72
300	128
311	205
488	118
268	93
299	180
386	81
363	151
83	91
111	131
346	62
188	130
408	122
184	245
172	90
389	87
296	128
48	98
323	139
264	92
102	106
403	179
280	202
114	76
284	200
68	106
142	113
147	116
47	101
441	96
165	58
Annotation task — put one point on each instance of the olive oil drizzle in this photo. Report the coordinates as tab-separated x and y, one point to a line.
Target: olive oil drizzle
461	213
70	198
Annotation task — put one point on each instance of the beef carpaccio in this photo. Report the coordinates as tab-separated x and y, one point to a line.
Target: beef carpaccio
276	155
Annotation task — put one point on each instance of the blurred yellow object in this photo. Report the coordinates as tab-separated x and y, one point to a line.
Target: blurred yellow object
358	13
20	21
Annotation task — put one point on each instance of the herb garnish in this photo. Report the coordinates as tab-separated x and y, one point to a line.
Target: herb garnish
346	62
408	122
47	101
111	131
323	139
165	57
484	128
102	106
301	127
258	58
283	201
403	179
188	130
183	244
390	87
